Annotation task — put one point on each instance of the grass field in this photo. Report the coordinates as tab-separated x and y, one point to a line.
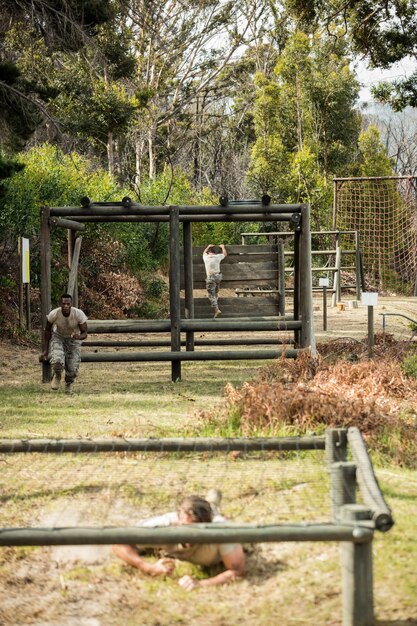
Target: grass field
287	584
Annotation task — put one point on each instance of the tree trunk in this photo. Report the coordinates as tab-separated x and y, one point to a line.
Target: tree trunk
151	154
110	153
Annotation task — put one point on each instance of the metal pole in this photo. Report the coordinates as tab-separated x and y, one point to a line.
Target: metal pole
324	308
371	337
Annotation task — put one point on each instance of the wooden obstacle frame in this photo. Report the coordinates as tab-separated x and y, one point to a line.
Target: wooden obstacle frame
351	524
245	266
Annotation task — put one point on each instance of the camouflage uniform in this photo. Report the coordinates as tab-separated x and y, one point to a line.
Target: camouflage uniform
65	354
64	351
212	284
213	277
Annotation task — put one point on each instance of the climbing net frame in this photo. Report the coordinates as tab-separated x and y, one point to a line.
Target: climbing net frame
383	210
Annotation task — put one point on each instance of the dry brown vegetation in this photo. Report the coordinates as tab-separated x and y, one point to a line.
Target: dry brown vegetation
340	387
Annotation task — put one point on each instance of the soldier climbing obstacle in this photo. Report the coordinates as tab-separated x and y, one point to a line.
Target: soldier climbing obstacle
212	257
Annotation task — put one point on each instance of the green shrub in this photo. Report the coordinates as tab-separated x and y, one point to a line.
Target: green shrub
409	366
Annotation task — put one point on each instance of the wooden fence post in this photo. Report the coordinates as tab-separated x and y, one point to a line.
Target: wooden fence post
281	276
188	280
336	445
174	289
306	289
45	282
342	487
357	576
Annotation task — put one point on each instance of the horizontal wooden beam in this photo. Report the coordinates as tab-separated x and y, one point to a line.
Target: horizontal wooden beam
215	217
206	355
118	209
368	484
145	343
189	533
189	444
70	224
217	325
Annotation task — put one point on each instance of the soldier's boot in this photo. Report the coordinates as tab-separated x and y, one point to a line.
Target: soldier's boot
56	379
214	498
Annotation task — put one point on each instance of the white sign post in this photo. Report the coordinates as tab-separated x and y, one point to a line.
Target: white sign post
24	279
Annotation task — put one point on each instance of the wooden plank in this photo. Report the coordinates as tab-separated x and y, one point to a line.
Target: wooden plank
268	310
239	249
237	307
233	284
242	271
252	259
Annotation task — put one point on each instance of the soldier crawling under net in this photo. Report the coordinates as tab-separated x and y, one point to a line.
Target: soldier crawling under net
193	509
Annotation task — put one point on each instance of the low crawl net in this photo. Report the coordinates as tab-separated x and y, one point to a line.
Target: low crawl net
119	489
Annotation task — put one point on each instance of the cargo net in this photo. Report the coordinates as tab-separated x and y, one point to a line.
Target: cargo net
384	212
102	489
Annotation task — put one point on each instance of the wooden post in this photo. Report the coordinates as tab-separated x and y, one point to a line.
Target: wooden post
45	241
357	576
306	287
28	320
281	277
72	279
324	307
358	265
342	487
188	280
174	290
336	445
336	281
335	198
71	238
296	294
363	281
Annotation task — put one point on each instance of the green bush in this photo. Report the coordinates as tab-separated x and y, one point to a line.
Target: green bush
50	178
409	366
